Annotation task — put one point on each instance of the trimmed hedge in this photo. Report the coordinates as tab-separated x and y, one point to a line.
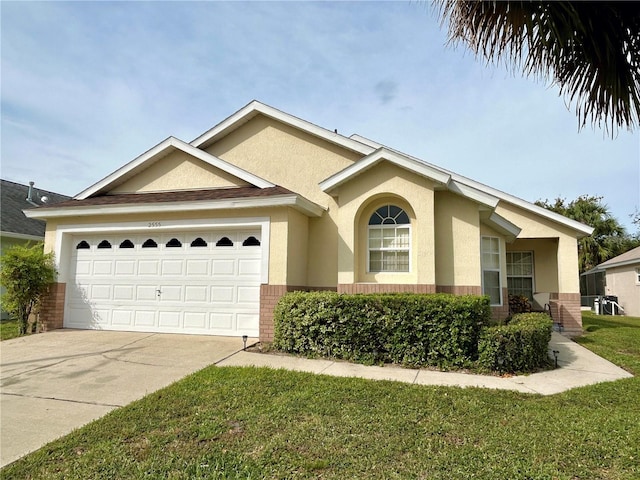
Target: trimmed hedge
520	346
409	329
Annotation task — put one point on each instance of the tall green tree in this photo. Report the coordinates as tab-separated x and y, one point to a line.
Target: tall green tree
609	237
591	50
26	273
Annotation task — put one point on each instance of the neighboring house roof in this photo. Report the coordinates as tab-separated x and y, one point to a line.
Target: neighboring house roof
14	223
628	258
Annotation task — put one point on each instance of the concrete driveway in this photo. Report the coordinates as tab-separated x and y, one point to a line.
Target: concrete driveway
55	382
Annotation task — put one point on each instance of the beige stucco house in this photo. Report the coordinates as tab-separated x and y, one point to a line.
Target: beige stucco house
204	237
622	280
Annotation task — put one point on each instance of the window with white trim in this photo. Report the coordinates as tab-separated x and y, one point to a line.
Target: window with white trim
389	240
520	274
638	276
490	249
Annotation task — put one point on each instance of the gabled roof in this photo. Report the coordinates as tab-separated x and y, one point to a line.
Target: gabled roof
377	156
482	193
254	108
161	150
628	258
13	200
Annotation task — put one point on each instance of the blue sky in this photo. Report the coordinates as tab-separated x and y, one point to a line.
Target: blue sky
88	86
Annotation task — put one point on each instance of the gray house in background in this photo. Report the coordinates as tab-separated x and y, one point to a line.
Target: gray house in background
15	227
618	277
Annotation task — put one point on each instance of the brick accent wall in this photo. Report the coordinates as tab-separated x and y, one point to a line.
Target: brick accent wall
385	288
459	289
565	309
52	308
269	296
499	313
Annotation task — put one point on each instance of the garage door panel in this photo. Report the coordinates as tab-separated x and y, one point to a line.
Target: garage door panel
194	293
222	294
172	287
221	321
197	267
102	267
172	267
144	318
249	267
146	293
148	267
168	319
125	267
195	320
100	292
223	267
248	295
122	317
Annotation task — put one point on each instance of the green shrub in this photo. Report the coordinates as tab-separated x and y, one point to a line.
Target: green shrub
409	329
520	346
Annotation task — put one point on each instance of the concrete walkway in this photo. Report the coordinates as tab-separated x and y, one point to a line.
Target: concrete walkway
578	367
55	382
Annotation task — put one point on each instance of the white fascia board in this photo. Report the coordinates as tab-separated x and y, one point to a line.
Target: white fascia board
504	226
379	155
249	111
21	236
584	230
162	149
472	193
295	201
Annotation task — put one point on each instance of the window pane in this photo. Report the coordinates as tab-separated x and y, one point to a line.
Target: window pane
491	286
375	261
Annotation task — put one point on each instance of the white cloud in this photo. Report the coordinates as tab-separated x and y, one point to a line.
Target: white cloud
88	86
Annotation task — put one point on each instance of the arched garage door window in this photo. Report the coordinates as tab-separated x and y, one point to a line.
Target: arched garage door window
389	240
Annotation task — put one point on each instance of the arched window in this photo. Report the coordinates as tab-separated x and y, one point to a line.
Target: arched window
83	245
104	244
251	242
126	244
174	242
199	242
149	243
389	240
224	242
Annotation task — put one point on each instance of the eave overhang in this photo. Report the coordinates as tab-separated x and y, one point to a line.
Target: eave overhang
161	150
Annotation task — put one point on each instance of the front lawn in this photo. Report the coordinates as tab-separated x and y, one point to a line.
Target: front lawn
9	329
259	423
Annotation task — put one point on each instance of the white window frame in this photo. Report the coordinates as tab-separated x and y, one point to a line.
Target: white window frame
484	268
638	276
389	226
532	276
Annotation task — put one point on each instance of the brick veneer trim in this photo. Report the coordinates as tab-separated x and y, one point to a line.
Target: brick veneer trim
52	308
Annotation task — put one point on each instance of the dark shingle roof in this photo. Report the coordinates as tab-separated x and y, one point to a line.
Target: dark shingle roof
177	196
13	199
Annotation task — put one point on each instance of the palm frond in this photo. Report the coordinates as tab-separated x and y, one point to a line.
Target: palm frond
591	50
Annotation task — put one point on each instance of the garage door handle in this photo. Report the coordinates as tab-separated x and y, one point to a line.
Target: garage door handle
158	292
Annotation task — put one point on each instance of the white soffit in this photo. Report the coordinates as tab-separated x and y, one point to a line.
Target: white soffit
293	200
379	155
254	108
161	150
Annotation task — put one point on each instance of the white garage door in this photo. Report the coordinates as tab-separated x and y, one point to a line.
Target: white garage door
172	282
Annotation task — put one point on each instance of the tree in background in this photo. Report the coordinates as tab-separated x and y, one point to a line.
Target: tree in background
26	273
609	238
591	50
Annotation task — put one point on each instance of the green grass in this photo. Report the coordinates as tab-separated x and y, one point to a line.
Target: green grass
260	423
9	329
